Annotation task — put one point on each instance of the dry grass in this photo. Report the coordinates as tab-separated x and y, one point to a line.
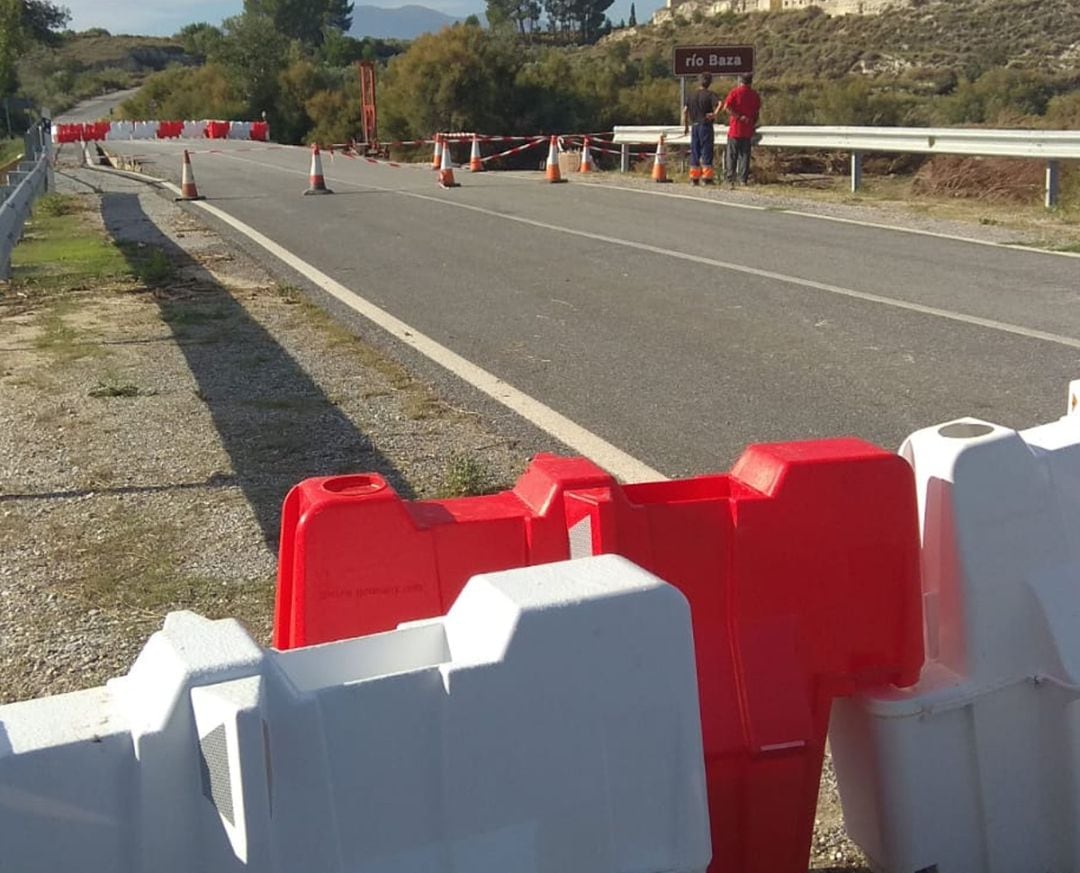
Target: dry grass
418	401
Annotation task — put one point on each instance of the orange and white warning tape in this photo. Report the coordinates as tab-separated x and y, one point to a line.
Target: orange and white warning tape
517	149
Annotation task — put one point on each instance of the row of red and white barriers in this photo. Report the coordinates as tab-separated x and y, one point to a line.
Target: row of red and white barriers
103	131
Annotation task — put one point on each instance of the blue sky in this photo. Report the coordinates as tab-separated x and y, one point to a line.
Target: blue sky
166	17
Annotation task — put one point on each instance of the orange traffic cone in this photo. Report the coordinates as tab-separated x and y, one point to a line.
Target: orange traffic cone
586	158
436	161
659	170
316	183
188	191
475	164
553	174
446	170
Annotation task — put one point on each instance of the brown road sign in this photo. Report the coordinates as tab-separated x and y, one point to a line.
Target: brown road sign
720	60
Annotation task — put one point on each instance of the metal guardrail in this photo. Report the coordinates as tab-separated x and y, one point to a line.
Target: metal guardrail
1048	145
23	187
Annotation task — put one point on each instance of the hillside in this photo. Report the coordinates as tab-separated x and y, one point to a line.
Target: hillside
87	64
932	41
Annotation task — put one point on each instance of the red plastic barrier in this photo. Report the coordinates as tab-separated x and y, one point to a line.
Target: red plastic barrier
217	130
801	568
260	131
356	559
170	129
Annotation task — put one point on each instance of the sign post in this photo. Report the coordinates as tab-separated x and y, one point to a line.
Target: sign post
720	60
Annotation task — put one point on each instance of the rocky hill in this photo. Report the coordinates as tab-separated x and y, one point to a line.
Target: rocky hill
928	40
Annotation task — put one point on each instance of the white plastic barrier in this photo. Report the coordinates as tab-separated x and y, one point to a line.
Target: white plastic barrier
548	724
120	130
240	130
977	768
194	130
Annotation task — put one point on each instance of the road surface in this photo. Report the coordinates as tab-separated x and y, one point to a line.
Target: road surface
677	329
96	109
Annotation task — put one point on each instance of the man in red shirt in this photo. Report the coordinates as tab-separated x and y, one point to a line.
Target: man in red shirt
743	106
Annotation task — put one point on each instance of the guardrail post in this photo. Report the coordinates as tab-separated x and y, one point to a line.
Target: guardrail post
624	158
1053	183
856	171
7	243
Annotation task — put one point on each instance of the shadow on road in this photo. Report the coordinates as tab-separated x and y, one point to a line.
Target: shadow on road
276	424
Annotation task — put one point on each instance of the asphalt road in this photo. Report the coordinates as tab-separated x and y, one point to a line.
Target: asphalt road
677	329
96	109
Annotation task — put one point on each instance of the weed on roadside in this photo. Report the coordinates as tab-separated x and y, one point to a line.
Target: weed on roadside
151	266
467	476
122	389
55	205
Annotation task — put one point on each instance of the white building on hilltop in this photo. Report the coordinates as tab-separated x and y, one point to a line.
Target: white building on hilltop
684	10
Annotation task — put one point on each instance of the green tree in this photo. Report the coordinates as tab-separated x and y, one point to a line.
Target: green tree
306	21
338	15
11	44
42	21
499	12
633	16
208	91
341	50
255	52
453	80
201	40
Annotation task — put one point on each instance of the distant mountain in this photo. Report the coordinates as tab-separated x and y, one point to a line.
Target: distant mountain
404	22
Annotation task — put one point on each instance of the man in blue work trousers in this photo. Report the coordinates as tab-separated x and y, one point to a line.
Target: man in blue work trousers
700	111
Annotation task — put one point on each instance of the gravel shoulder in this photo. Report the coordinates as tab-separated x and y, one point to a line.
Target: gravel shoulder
151	430
153	423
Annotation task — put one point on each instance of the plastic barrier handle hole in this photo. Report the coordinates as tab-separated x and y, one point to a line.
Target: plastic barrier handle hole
354	484
964	430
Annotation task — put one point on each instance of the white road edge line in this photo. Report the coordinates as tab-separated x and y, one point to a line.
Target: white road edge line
613	459
784	210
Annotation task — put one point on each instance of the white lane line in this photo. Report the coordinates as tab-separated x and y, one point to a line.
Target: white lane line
838	290
783	210
974	320
613	459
